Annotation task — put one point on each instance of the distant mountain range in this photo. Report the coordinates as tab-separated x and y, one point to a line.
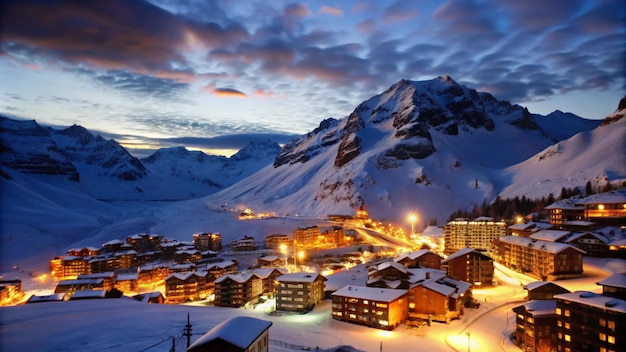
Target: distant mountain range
430	147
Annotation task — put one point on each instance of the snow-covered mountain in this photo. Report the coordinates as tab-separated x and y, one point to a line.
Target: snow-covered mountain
183	166
428	147
562	125
75	160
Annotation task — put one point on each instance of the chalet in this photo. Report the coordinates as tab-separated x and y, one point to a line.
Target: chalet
155	297
565	210
151	274
269	278
114	246
614	286
277	241
588	321
525	229
127	258
423	258
221	268
104	263
246	243
594	244
238	334
70	286
145	242
470	266
72	266
535	328
370	306
606	209
540	259
542	290
87	294
299	292
441	300
126	282
169	249
237	290
187	256
184	287
551	235
419	275
84	252
208	241
388	275
181	268
56	297
108	279
147	257
271	261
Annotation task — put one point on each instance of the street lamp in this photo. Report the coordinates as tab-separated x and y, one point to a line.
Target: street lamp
468	340
301	256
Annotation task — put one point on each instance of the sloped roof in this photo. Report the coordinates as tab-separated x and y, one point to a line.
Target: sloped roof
269	258
181	276
238	331
391	264
460	286
411	255
615	280
578	235
370	293
536	284
618	196
540	307
84	294
442	289
240	278
461	253
266	272
550	235
57	297
419	274
550	247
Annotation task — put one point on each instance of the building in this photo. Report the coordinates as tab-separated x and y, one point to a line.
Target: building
246	243
152	274
269	278
551	235
594	244
104	263
299	292
602	209
184	287
306	237
565	210
187	256
145	242
423	258
208	241
335	236
439	300
69	267
542	290
370	306
272	261
388	275
71	286
10	291
470	266
614	286
238	334
126	282
108	279
540	259
535	325
588	321
277	241
83	252
237	290
525	229
477	234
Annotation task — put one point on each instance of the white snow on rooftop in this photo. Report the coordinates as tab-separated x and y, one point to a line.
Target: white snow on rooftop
299	277
550	235
615	280
239	331
550	247
541	307
594	300
370	293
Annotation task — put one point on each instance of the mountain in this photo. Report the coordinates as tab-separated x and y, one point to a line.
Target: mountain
420	146
181	165
563	125
74	160
597	156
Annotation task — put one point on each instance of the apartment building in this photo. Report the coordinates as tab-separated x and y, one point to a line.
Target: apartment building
470	266
299	292
370	306
477	234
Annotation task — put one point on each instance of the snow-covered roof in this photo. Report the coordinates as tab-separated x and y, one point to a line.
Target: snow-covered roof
483	218
391	264
188	251
442	289
536	284
57	297
299	277
566	204
411	255
92	281
530	226
239	331
112	242
370	293
224	264
433	231
550	247
594	300
619	243
82	294
461	253
615	280
126	277
182	266
460	286
240	278
550	235
180	276
269	258
580	223
266	272
108	274
540	307
578	235
419	274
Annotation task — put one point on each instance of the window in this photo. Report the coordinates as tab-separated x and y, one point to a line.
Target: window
602	336
602	322
610	339
381	305
559	323
558	311
365	301
566	313
530	320
568	338
567	325
611	325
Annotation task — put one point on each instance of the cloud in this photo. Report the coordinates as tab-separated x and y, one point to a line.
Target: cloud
333	11
399	11
225	92
367	26
297	11
140	84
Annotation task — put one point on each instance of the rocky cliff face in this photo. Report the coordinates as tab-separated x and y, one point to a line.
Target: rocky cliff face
410	111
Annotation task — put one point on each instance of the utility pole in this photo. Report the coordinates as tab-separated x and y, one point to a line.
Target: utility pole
187	331
173	349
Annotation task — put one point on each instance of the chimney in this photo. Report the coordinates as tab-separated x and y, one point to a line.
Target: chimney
428	275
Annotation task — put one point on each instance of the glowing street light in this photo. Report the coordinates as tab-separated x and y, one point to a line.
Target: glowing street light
301	256
468	340
412	220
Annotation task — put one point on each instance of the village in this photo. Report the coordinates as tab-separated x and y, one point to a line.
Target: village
430	281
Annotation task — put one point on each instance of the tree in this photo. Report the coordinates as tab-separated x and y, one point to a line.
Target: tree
588	188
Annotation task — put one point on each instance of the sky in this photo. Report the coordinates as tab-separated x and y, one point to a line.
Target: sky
212	75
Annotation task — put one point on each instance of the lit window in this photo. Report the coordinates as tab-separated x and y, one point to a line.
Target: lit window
567	312
602	322
567	325
558	311
568	338
611	325
610	339
602	336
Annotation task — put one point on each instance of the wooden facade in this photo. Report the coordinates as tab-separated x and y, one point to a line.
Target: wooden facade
374	307
237	290
423	258
535	325
470	266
